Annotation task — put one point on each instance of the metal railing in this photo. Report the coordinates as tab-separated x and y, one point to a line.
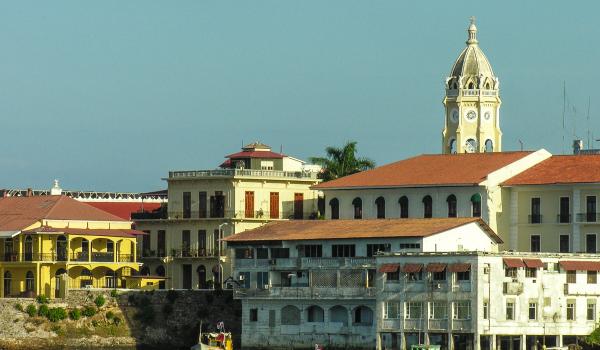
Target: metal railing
243	173
563	218
587	217
304	291
25	257
241	214
103	257
187	252
535	219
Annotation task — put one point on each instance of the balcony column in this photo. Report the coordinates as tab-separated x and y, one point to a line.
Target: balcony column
89	256
450	340
20	248
68	248
115	250
492	342
134	251
576	228
522	341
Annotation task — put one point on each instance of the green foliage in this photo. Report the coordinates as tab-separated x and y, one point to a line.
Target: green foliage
342	161
56	314
75	314
203	312
89	311
145	314
594	337
172	295
110	315
114	293
95	323
42	299
117	320
167	309
19	307
31	310
43	310
100	300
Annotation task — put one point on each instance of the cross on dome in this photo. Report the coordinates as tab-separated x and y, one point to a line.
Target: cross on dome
472	32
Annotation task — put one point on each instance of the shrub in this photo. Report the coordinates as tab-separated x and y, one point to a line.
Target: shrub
42	299
75	314
95	323
117	320
172	295
19	307
99	301
31	310
110	315
56	314
167	309
43	310
114	293
89	311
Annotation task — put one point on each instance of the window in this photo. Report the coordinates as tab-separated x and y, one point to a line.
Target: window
262	253
343	250
535	243
564	243
380	204
217	205
533	311
262	280
438	276
452	145
253	315
564	215
410	245
463	276
357	203
592	277
392	276
571	276
590	243
202	205
290	315
403	201
570	310
462	310
315	314
531	272
185	243
591	310
266	165
202	242
29	281
476	205
535	217
392	310
427	207
187	205
161	243
312	251
145	245
334	204
280	253
363	316
414	310
414	276
439	310
590	204
372	249
244	253
510	272
486	310
244	279
510	310
451	200
489	146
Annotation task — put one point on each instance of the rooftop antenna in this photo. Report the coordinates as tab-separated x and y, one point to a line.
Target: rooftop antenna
521	142
281	148
588	124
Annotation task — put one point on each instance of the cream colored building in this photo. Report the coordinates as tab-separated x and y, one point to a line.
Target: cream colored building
251	188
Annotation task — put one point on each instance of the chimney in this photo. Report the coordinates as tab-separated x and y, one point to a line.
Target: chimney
577	146
29	192
55	190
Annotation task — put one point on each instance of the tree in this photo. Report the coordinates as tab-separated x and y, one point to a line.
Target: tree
342	161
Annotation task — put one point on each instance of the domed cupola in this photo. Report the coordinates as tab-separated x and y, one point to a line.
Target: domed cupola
472	102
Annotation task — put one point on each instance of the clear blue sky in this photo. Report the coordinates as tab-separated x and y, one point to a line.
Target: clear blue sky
110	95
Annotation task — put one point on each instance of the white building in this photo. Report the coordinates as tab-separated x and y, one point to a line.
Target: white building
313	282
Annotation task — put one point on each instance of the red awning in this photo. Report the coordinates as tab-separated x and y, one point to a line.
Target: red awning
435	267
387	268
513	262
412	268
581	265
459	267
533	263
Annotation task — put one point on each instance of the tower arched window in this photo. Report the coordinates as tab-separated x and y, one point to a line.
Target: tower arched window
403	201
489	145
452	146
476	205
380	203
334	205
471	85
427	207
451	200
357	203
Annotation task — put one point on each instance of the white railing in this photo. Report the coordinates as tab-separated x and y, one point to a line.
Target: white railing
321	262
438	324
243	173
582	289
461	325
414	324
479	92
390	324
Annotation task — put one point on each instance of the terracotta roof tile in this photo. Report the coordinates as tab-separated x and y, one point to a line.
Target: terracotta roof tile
124	209
412	268
255	154
429	170
563	169
350	229
89	232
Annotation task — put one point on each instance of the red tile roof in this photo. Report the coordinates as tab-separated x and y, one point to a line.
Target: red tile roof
255	154
16	213
429	170
349	229
124	209
412	268
564	169
575	265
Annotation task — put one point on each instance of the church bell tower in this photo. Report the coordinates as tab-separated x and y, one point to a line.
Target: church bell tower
472	102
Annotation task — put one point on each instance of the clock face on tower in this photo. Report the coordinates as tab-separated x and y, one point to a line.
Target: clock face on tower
471	146
471	116
454	116
487	116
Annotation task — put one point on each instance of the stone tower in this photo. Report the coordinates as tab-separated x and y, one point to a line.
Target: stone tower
472	103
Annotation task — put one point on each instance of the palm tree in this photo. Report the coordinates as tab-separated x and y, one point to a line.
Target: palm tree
342	161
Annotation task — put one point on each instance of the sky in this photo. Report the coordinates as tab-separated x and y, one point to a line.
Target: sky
111	95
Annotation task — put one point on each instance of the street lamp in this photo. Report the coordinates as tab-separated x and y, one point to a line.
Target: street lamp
219	240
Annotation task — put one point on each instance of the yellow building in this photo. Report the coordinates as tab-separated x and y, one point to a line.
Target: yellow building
51	243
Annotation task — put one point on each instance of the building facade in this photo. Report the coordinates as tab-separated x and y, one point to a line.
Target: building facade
252	187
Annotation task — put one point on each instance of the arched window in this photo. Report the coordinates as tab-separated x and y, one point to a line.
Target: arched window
403	206
334	204
471	85
476	205
28	248
7	283
85	250
487	85
427	207
338	314
357	203
29	281
363	316
489	146
380	203
85	278
290	315
61	248
145	271
451	200
315	313
452	146
201	271
109	279
8	250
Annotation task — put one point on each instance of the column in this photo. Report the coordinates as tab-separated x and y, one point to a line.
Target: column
523	345
576	234
492	342
559	340
134	251
2	282
38	272
115	251
90	250
68	248
476	340
378	341
20	248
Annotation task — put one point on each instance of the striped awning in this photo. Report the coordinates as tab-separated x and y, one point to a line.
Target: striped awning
513	262
412	268
459	267
388	268
533	263
435	267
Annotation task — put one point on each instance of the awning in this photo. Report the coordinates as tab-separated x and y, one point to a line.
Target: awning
533	263
412	268
513	262
435	267
581	265
8	234
459	267
388	268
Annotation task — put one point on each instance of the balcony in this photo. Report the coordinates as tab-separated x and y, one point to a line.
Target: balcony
148	254
238	214
414	287
535	219
364	262
588	217
250	173
187	252
26	257
150	215
462	325
582	289
479	92
563	218
103	257
512	288
392	324
462	287
438	324
414	324
306	292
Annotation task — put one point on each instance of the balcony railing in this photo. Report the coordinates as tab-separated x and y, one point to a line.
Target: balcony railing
336	262
462	325
192	253
414	324
304	291
390	324
153	215
103	257
438	324
150	253
243	173
240	214
25	257
535	219
479	92
588	217
563	218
